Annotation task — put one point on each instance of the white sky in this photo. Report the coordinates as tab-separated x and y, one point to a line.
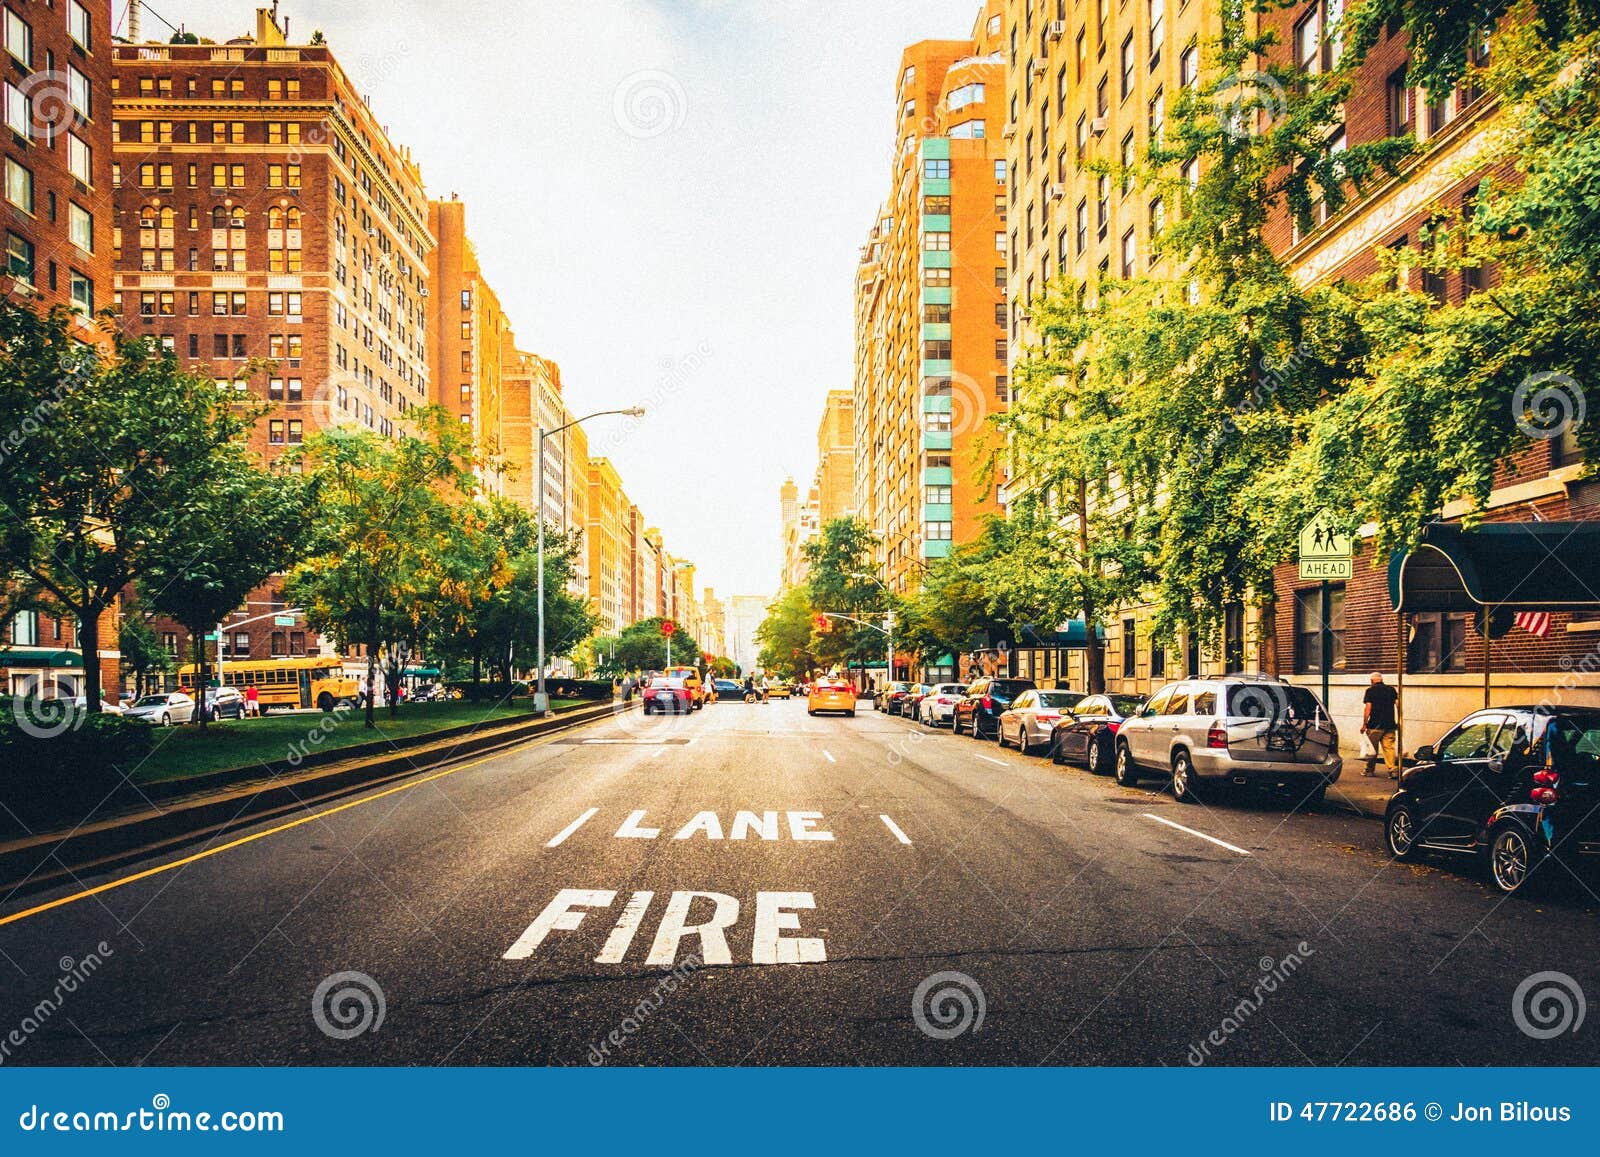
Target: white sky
704	262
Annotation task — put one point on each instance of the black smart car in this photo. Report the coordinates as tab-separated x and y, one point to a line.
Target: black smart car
1510	785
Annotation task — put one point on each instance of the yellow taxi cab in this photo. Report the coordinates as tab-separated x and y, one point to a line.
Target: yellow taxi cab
831	695
779	689
691	680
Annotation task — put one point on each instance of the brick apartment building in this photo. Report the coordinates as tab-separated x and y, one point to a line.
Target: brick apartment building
930	314
58	229
268	231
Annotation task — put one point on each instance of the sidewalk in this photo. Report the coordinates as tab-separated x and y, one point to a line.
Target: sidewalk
1358	793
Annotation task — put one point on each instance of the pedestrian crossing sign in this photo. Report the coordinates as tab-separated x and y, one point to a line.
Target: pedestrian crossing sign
1325	549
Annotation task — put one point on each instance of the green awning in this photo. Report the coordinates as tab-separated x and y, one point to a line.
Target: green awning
39	657
1511	566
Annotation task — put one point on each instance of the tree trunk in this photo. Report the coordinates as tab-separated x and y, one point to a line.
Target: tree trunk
197	639
89	646
371	722
1094	652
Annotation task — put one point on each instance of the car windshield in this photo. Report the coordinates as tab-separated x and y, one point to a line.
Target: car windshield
1006	688
152	701
1060	698
667	683
951	689
1127	704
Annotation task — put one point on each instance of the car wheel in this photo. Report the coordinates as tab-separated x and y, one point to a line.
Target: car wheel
1400	831
325	702
1127	771
166	720
1099	757
1055	750
1185	789
810	712
1512	858
851	713
1024	740
1000	734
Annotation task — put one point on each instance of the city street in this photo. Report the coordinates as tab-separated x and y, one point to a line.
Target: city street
1089	924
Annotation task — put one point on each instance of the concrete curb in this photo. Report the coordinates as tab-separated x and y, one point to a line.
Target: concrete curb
40	861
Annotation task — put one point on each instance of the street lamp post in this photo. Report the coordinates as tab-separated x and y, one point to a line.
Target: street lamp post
888	621
541	701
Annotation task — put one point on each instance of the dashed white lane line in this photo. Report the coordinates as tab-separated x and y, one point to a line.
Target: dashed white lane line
993	760
895	828
1192	832
562	835
828	755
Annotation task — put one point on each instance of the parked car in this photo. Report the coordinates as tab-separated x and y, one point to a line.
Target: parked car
1089	735
913	700
939	703
691	680
831	695
224	703
885	695
668	695
779	689
81	703
1511	786
729	690
1032	717
1241	729
978	713
164	707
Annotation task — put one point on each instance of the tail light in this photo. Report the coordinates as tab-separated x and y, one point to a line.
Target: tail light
1546	781
1042	718
988	703
1543	795
1114	726
1217	737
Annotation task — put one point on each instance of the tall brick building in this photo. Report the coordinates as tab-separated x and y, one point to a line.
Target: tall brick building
262	213
58	212
930	334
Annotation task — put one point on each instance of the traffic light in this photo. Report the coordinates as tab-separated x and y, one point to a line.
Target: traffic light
822	624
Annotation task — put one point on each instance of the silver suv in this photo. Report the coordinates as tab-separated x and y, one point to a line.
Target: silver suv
1239	729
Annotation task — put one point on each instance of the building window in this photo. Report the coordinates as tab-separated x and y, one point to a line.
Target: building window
19	186
1130	654
78	93
936	170
1308	42
936	351
1158	29
1233	652
19	111
1438	644
19	258
275	432
937	531
1102	206
936	495
1130	254
25	629
1189	67
79	24
1083	226
936	242
1308	630
1158	660
80	159
80	226
82	290
1401	113
1126	72
19	38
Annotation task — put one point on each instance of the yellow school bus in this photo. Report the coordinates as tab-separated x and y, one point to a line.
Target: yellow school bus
313	681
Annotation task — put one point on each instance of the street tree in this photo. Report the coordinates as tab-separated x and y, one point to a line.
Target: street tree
110	457
787	636
642	647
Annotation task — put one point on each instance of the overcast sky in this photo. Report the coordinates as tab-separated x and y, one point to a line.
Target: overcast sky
668	196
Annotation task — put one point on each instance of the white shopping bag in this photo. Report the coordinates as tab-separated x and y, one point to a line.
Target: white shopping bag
1366	745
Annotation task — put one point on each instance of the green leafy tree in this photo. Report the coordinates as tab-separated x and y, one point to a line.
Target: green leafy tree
642	647
388	512
142	652
787	636
111	460
838	581
246	527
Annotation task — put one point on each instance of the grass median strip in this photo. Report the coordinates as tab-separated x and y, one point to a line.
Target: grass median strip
188	751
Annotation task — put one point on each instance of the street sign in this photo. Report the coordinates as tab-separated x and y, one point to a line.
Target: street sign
283	620
668	627
1325	549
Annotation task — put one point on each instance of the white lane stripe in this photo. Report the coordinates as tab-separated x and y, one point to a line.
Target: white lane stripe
895	828
828	755
572	827
1192	832
992	759
658	753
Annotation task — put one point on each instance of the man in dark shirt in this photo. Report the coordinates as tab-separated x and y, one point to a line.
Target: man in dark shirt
1378	723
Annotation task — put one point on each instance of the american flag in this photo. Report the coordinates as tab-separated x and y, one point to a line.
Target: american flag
1534	622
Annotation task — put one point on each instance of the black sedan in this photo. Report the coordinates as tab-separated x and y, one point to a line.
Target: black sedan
1088	736
1510	786
729	690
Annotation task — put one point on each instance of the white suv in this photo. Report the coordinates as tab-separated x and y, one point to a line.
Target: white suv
1241	729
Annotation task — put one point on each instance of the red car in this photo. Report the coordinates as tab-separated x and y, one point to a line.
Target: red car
666	695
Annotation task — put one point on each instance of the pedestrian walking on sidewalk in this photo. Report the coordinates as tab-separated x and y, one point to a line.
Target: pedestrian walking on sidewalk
1378	724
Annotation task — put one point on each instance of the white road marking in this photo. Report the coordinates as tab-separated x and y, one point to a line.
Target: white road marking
992	759
559	913
774	913
562	835
658	753
1192	832
630	829
895	828
627	928
711	933
828	755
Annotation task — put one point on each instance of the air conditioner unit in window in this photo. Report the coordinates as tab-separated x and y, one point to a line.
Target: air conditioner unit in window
1098	126
1009	132
1057	29
1057	192
1038	70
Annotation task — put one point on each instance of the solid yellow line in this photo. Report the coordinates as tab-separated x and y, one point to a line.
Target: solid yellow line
241	841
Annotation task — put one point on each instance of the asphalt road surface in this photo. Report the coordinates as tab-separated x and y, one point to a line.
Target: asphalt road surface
751	886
